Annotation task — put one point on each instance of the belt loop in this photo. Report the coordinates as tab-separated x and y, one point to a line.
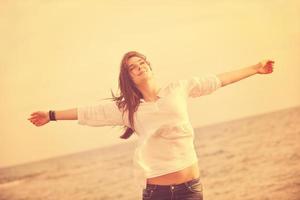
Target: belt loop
186	184
172	187
191	182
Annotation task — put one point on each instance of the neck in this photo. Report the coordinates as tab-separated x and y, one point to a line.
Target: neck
149	90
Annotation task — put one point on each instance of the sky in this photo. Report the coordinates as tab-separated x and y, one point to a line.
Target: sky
58	55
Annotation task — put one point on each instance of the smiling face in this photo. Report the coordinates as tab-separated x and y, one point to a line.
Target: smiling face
138	69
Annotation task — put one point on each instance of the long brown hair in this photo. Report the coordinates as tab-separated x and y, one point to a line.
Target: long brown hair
129	98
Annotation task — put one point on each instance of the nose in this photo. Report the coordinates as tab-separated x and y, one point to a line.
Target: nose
140	68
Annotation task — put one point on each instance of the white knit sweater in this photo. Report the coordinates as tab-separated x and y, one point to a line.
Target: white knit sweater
166	136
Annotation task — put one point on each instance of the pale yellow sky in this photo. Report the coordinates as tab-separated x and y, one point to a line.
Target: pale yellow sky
63	54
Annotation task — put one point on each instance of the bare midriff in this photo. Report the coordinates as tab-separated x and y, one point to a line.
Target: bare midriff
177	177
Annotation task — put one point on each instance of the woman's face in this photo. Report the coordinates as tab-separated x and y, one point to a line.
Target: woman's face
138	69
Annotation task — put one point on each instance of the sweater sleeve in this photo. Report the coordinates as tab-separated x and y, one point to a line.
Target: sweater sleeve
198	86
104	114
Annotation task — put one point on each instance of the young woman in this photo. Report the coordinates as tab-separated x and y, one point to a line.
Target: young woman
165	161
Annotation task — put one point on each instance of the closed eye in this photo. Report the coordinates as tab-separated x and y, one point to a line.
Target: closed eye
132	68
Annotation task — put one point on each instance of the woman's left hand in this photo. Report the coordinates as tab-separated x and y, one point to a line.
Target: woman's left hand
265	67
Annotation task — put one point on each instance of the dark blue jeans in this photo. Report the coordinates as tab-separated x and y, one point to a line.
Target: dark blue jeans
190	190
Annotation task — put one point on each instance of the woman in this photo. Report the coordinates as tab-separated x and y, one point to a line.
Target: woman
165	161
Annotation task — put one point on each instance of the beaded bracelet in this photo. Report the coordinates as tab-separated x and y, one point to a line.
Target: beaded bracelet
52	115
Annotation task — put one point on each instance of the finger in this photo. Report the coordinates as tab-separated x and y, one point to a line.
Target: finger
34	113
270	63
270	69
34	121
37	124
32	118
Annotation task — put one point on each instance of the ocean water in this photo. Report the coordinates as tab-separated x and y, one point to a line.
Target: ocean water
257	157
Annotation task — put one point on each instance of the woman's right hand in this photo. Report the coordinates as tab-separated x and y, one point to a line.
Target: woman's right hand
39	118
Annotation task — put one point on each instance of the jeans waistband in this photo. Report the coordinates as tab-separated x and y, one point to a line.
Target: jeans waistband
173	186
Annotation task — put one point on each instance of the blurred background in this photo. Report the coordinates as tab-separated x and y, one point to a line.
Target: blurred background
64	54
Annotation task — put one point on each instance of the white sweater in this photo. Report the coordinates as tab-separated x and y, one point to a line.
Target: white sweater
166	136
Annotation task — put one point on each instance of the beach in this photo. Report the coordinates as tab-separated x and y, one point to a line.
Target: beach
257	157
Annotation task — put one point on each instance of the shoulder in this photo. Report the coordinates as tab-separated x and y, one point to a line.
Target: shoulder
175	84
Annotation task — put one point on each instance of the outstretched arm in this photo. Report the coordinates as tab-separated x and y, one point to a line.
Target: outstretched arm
263	67
102	114
40	118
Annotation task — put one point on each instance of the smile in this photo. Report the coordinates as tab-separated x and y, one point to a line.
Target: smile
142	72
